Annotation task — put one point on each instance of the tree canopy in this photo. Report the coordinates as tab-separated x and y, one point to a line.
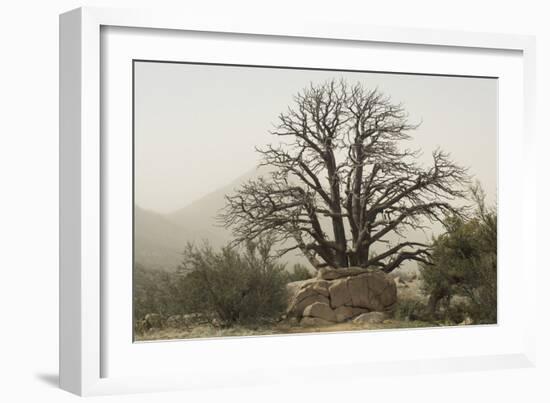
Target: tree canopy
339	182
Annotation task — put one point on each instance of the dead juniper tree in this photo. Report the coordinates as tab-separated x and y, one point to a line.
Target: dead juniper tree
338	163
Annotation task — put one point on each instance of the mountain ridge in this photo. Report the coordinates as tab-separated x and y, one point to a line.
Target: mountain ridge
160	238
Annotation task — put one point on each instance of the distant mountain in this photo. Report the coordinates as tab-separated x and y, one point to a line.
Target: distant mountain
161	238
201	214
158	243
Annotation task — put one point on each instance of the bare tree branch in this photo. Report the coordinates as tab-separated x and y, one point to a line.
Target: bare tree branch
339	162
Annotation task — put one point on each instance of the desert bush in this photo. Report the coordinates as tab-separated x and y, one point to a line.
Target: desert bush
299	273
458	312
464	263
157	292
409	309
238	287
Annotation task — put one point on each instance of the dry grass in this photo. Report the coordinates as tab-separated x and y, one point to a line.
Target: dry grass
209	331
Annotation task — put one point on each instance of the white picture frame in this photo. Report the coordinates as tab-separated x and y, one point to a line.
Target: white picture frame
85	345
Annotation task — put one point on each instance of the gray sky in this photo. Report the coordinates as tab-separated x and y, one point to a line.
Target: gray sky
196	126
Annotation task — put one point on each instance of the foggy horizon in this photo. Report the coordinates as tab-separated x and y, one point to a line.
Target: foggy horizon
196	126
201	196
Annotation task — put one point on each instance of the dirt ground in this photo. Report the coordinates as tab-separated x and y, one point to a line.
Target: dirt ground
208	331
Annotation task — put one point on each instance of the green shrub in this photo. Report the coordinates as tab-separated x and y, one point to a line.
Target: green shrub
156	291
458	312
464	263
237	287
408	310
299	273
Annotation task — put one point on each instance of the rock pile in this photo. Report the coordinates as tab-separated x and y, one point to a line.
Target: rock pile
339	295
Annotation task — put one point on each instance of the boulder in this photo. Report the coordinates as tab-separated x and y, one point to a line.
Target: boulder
360	290
374	291
321	287
320	310
388	294
371	317
344	313
339	293
303	298
294	287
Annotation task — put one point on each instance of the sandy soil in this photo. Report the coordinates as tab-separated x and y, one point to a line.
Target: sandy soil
208	331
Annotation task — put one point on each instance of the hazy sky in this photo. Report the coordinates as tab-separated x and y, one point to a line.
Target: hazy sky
196	126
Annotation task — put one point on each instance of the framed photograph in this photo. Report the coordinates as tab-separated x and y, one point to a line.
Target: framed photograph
240	199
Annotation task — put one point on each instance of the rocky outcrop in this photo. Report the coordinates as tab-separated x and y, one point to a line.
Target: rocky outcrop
320	310
304	296
345	313
338	295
